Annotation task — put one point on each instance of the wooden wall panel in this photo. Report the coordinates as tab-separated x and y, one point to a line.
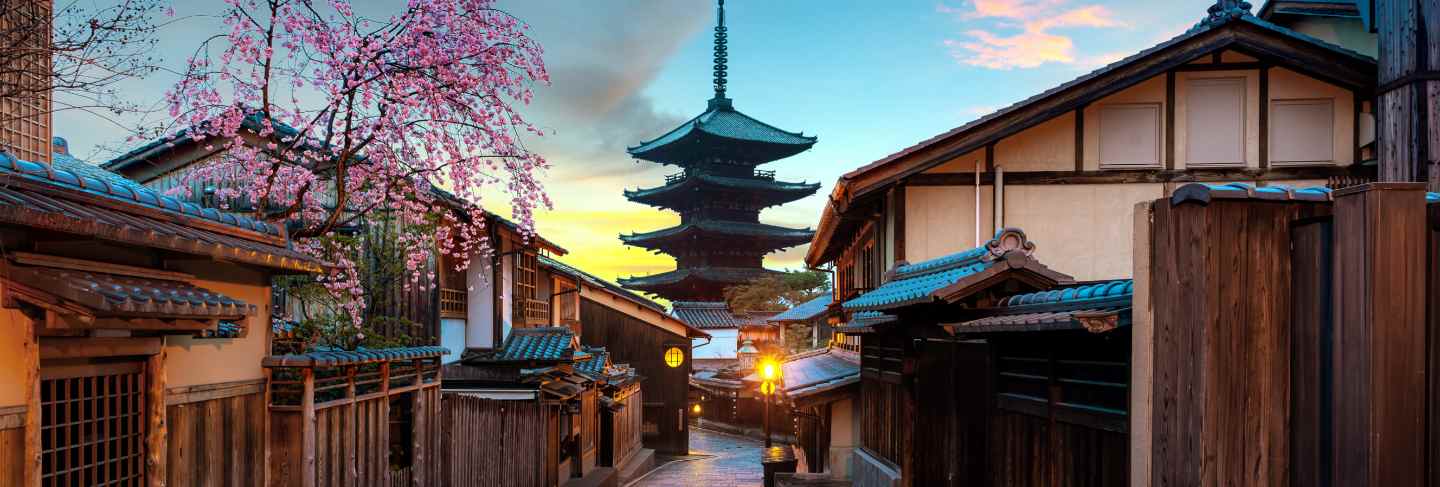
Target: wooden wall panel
635	342
513	435
1312	345
12	457
1433	333
216	443
1221	279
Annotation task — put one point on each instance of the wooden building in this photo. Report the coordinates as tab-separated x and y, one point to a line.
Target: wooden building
812	315
818	391
992	369
1236	98
136	328
638	332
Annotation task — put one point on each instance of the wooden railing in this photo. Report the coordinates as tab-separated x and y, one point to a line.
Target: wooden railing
452	303
537	312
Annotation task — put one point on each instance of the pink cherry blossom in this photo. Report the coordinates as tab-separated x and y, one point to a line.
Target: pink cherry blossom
365	115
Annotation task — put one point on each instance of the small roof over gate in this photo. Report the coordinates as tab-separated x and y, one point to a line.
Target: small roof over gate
1097	307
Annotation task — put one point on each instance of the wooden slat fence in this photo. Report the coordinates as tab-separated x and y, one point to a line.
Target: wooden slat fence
492	442
217	442
627	424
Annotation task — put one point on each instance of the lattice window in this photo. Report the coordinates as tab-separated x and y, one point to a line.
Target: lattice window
92	429
25	118
534	311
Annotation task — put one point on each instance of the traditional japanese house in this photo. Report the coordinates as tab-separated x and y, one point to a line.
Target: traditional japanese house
812	315
993	370
537	402
638	332
136	328
1235	98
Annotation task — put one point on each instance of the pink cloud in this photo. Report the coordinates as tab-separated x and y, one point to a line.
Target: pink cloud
1035	43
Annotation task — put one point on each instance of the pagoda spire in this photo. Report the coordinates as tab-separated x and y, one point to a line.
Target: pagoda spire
720	52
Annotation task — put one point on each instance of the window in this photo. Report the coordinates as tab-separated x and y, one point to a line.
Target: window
92	424
1130	135
1215	122
1302	131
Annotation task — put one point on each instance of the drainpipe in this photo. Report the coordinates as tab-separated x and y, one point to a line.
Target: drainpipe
977	203
999	198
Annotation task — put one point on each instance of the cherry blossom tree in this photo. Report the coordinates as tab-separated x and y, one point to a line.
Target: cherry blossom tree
328	117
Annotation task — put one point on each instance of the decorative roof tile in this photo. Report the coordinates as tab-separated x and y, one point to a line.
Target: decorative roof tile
707	229
679	277
127	296
1098	306
545	344
352	357
706	315
924	282
767	190
807	310
722	130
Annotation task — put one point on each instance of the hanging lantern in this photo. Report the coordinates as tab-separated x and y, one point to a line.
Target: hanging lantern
674	357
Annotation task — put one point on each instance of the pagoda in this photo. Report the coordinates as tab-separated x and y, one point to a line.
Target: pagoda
719	193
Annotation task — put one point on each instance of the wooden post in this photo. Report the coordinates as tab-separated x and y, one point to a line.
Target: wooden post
1406	110
155	443
307	428
352	440
33	467
1379	352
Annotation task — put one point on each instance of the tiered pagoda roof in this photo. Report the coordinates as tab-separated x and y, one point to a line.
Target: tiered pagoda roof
720	241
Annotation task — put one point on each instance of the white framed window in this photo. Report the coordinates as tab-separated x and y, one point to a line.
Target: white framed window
1129	135
1302	132
1215	122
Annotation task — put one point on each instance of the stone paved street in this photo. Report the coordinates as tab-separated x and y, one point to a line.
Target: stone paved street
735	462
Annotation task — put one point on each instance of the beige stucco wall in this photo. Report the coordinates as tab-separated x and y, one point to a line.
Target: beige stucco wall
1148	91
965	163
1347	32
844	437
1081	230
940	220
1049	146
12	358
1289	85
191	361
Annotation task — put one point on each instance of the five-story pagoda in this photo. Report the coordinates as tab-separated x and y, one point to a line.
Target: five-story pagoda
720	241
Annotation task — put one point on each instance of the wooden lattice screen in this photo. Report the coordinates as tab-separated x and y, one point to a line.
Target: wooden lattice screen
93	424
25	131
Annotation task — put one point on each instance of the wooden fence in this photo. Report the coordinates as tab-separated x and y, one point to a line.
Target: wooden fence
624	428
352	423
493	442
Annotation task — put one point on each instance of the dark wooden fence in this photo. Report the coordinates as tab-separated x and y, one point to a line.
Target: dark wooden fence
493	442
216	435
1290	340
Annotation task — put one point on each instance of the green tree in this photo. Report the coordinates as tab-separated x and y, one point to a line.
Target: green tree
777	292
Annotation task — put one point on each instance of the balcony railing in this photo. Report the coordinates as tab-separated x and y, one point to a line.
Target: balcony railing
452	303
764	174
537	312
675	178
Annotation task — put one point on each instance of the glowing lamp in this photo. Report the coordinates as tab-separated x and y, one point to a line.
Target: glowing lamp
767	388
674	357
695	409
769	370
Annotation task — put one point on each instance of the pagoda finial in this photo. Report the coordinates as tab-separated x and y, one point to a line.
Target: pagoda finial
720	52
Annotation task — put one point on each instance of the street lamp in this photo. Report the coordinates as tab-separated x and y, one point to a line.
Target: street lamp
770	374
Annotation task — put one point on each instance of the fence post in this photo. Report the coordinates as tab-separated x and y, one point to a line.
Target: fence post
1379	311
307	428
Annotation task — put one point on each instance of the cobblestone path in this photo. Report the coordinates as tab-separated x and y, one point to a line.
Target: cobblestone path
735	463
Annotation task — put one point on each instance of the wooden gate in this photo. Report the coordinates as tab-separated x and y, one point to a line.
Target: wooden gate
92	429
493	442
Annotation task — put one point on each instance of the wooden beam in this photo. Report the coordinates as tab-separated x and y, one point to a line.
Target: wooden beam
1170	120
307	427
29	258
1264	128
209	392
32	462
899	210
1249	66
1195	175
53	348
1080	139
990	158
156	447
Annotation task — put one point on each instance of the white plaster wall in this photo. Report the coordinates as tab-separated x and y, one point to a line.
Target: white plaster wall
1081	230
723	343
479	321
452	337
844	437
940	220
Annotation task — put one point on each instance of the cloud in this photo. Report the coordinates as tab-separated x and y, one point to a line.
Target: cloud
1029	39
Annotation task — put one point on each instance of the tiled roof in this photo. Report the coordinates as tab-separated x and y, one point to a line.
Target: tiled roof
1204	192
593	280
705	229
923	281
816	372
545	343
1056	309
725	275
595	365
71	173
706	315
118	295
721	127
362	356
1317	8
769	191
865	322
225	329
806	310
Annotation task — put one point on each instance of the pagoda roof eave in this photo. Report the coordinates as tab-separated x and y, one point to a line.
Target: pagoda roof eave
719	127
778	237
701	277
774	192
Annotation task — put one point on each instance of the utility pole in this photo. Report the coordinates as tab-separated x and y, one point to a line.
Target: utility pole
1408	92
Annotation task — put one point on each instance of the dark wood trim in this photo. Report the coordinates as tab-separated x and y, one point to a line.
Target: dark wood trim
1264	125
1246	66
208	392
156	449
1170	120
1215	57
1359	105
57	347
990	158
899	210
12	417
1193	175
1080	139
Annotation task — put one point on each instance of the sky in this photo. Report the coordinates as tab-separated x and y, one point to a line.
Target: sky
867	77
